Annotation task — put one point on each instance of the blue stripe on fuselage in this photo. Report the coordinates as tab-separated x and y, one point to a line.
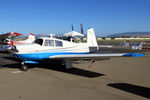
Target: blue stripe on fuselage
41	56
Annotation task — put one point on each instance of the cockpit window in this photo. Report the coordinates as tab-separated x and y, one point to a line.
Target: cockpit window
39	41
49	43
58	43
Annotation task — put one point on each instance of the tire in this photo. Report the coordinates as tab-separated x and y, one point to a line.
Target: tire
24	67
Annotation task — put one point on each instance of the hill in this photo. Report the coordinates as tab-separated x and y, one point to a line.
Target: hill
130	34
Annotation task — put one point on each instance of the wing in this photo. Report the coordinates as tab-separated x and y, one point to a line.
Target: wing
10	34
94	56
4	35
13	34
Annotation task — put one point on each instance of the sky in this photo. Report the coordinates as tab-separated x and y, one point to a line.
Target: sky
56	16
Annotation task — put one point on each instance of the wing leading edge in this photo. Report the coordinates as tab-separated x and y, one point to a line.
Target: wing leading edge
95	56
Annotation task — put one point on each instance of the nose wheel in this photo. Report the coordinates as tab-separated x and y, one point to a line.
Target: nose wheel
24	67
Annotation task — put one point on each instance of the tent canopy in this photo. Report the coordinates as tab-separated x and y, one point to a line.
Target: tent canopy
73	34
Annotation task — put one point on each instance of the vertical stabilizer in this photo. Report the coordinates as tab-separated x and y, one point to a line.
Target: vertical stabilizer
141	45
91	40
31	38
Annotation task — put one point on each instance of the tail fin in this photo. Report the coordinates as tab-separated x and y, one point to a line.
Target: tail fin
91	40
141	45
31	38
138	46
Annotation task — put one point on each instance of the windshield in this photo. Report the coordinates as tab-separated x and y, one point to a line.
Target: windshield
39	41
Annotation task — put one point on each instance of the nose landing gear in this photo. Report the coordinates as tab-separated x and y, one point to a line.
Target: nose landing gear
24	66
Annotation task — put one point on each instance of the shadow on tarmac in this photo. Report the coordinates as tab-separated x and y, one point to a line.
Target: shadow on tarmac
74	71
60	68
138	90
16	65
13	59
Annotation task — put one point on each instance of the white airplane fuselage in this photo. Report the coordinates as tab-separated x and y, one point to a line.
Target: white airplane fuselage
49	47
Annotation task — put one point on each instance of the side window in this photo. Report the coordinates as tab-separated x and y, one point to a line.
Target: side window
58	43
49	43
39	41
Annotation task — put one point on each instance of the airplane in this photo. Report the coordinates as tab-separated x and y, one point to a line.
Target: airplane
5	39
52	49
7	42
9	34
137	47
5	36
30	39
106	46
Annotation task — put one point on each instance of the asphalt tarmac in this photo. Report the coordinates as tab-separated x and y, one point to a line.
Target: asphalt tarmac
123	78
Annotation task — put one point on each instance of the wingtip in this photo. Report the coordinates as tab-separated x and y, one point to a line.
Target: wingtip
134	55
31	34
89	27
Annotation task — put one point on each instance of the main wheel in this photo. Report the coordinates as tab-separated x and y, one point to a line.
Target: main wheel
24	67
